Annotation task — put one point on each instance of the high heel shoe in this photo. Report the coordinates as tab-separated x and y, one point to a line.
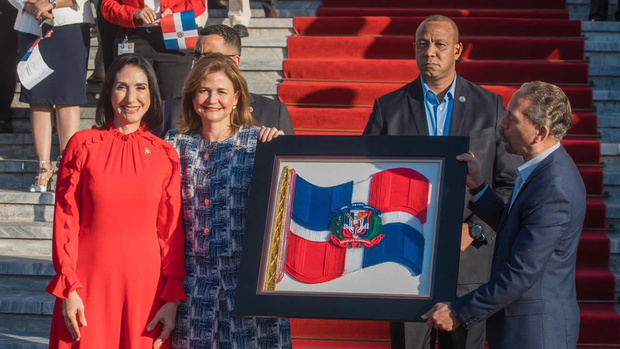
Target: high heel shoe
42	181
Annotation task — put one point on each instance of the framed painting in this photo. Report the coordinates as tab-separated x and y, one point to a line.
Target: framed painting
352	227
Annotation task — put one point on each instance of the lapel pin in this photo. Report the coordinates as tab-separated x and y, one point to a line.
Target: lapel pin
462	99
146	151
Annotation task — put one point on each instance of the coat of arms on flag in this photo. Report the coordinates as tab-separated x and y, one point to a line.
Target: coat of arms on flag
180	31
329	237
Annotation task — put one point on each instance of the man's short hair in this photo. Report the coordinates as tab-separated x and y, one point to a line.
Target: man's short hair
440	18
230	36
550	107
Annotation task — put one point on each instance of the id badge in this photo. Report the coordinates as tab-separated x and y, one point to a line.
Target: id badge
125	47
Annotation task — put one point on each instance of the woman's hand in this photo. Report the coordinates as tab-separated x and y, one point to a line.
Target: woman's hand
39	9
72	311
167	316
266	134
145	15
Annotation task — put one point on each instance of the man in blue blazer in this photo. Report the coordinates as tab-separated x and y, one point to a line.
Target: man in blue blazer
530	300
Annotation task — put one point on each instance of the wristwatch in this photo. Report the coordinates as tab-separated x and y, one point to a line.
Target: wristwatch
53	2
475	231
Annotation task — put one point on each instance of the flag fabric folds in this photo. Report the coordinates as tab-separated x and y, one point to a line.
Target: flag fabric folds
336	230
180	31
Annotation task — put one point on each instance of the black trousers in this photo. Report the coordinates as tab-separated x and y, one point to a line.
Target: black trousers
417	335
107	34
599	10
8	61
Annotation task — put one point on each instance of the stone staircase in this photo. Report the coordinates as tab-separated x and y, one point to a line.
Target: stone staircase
25	218
603	54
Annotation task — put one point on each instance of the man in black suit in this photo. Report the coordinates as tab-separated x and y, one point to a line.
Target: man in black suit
225	40
440	103
531	300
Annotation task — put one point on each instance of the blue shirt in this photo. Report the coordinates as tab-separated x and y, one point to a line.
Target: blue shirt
525	170
523	173
438	115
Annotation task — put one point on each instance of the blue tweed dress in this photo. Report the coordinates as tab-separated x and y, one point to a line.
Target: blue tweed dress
215	179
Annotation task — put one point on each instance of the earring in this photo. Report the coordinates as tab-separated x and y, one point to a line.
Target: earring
234	106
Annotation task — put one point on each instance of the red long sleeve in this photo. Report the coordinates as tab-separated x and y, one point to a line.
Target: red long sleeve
67	223
171	234
121	12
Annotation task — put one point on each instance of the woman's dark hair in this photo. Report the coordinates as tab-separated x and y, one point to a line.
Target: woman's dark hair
105	114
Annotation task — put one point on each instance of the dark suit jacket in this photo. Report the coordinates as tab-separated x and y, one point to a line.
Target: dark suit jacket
265	111
270	112
476	113
530	301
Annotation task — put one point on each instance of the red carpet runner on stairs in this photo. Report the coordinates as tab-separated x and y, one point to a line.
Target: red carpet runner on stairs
356	51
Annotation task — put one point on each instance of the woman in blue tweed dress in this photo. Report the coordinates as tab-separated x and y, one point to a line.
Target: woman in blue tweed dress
216	145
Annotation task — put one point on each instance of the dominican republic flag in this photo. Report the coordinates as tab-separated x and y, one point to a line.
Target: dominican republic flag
179	30
332	231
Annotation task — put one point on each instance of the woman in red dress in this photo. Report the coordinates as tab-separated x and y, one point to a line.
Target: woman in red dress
118	245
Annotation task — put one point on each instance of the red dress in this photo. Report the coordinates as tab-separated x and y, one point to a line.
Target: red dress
118	237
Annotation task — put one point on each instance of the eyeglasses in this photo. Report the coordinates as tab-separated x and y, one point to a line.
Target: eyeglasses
199	55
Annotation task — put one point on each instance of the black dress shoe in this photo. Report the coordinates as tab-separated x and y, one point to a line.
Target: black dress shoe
242	30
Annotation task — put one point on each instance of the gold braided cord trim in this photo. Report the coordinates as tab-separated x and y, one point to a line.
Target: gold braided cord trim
277	235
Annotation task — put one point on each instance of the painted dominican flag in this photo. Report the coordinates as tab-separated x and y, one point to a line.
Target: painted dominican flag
179	30
336	230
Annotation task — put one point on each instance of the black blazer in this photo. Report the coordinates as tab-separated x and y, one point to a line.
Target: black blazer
533	275
270	112
476	113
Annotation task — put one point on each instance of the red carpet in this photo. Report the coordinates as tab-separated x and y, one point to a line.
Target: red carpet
357	51
405	70
401	47
407	26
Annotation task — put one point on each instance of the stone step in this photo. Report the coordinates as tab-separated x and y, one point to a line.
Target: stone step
26	265
24	198
10	340
606	101
31	302
580	9
26	230
609	127
605	77
20	325
20	206
31	247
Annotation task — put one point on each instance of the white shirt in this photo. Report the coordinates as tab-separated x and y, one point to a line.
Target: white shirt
155	5
26	23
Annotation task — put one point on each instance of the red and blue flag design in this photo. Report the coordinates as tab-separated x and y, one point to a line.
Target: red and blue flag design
180	31
332	231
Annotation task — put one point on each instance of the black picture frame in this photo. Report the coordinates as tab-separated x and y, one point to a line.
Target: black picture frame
254	298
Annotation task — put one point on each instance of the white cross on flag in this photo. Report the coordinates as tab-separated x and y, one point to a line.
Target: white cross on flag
179	30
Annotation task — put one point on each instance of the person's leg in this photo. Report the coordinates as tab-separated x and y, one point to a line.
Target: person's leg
598	10
417	335
41	121
270	8
239	13
8	61
107	33
67	123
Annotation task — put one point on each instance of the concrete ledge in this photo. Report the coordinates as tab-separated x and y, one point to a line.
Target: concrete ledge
26	265
19	197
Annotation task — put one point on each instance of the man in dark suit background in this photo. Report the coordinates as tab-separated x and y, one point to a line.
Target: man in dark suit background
530	300
225	40
440	103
